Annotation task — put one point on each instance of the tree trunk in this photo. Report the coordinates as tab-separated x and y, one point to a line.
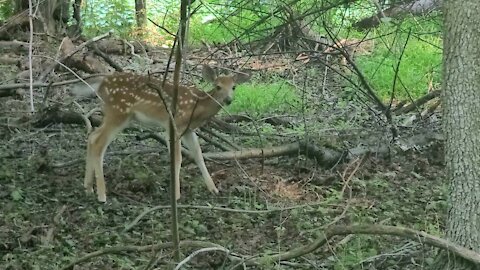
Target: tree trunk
461	101
51	16
141	13
77	15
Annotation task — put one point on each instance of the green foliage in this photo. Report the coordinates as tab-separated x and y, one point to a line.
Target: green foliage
210	33
101	16
6	9
358	249
259	98
227	24
345	15
420	65
17	194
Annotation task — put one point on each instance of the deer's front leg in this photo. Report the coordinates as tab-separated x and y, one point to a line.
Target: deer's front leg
191	141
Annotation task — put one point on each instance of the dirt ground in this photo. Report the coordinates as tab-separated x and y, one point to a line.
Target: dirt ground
47	220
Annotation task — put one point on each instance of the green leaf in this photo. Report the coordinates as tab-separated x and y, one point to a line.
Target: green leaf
16	195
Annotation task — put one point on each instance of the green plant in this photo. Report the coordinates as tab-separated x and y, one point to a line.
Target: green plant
211	33
6	9
358	249
261	98
101	16
420	63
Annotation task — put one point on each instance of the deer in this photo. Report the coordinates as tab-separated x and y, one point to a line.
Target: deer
129	97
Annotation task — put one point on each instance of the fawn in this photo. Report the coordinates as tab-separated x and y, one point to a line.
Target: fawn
127	97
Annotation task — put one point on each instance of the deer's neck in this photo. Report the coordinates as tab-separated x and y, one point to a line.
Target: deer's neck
206	106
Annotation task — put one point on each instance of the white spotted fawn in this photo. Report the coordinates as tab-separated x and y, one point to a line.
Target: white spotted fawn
127	97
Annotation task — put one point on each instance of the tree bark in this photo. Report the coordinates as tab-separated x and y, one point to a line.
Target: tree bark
461	101
51	17
141	13
77	15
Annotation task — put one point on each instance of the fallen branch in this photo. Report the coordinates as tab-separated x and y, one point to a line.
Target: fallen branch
69	54
132	224
324	156
223	126
411	234
54	115
9	60
272	120
107	58
120	46
149	248
56	220
13	46
5	87
220	137
196	252
431	109
419	102
213	142
398	9
11	92
418	236
161	140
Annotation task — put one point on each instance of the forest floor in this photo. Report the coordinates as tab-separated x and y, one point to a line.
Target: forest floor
48	221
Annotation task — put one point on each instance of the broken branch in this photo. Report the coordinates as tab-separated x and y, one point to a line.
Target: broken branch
411	234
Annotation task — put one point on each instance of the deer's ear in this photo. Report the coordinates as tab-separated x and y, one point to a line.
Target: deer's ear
208	73
241	77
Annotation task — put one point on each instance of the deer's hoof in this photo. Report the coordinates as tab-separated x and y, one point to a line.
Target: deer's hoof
102	198
214	190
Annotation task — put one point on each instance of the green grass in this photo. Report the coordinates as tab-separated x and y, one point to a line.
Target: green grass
210	33
260	98
420	65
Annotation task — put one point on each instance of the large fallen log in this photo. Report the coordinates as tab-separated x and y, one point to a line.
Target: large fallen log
325	155
118	46
13	46
417	103
55	115
11	89
273	120
398	10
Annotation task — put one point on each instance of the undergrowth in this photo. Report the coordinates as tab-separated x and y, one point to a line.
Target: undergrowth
259	98
417	45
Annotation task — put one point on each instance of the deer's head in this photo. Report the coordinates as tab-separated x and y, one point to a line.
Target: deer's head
224	84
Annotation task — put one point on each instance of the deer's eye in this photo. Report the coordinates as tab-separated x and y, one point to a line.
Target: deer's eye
233	88
218	87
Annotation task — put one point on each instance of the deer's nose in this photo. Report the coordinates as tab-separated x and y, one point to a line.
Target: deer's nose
228	100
